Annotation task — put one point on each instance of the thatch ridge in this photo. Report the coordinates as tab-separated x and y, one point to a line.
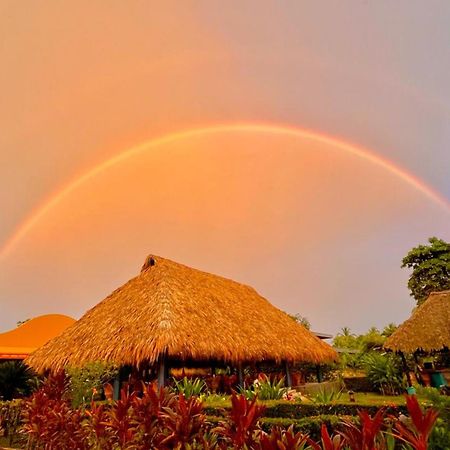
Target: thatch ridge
172	309
428	328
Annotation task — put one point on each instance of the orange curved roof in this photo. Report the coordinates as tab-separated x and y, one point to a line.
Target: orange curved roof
26	338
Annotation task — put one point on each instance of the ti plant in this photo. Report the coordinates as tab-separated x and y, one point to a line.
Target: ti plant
243	424
281	439
417	432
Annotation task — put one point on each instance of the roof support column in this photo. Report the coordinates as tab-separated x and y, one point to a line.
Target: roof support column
288	375
405	368
319	373
240	375
116	387
162	371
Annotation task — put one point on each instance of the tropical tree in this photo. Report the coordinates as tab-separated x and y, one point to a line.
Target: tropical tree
430	266
345	339
388	330
302	320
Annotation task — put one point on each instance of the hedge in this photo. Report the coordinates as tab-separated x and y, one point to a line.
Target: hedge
292	410
308	425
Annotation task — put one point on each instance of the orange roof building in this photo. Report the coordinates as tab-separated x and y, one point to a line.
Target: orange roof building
18	343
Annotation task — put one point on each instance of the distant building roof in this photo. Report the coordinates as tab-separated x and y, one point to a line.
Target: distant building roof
427	329
322	335
32	334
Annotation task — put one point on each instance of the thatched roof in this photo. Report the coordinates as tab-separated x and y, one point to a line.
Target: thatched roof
185	314
428	328
19	342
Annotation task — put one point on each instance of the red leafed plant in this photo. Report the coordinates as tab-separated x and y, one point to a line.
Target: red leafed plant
49	419
98	433
242	422
183	423
119	418
368	435
336	442
418	431
146	417
280	439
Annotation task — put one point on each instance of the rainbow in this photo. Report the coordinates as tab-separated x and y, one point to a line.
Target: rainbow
357	151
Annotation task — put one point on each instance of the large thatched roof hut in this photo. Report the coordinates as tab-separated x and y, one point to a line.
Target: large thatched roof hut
428	329
175	312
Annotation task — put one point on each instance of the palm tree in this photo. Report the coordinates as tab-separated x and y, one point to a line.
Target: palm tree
345	331
15	379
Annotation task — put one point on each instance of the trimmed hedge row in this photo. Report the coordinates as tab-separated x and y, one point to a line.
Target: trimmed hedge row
307	425
294	410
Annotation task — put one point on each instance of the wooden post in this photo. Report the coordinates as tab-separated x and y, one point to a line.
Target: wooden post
405	368
116	387
288	375
240	375
162	372
319	374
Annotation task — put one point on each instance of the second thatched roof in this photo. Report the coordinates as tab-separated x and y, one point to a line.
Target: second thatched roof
428	328
183	313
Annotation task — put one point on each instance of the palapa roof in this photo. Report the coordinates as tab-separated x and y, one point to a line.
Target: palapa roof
428	328
183	313
32	334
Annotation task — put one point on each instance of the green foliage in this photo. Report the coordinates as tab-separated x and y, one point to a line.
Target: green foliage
388	330
346	340
430	266
86	383
440	437
190	387
373	339
302	320
270	390
384	372
299	410
327	396
16	380
309	425
265	389
10	420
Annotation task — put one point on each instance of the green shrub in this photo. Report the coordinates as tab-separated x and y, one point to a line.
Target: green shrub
11	420
440	437
293	410
190	387
384	372
86	383
265	389
308	425
327	396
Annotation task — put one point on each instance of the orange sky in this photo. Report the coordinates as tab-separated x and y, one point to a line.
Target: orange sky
274	210
310	226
